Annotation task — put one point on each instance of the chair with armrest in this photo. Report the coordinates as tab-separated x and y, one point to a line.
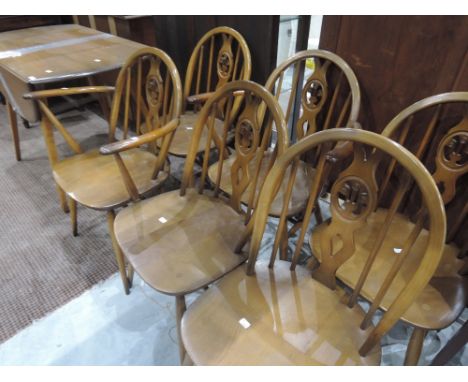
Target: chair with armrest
221	56
272	312
184	240
126	171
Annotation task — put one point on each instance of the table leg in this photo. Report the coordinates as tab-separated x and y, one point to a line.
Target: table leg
102	98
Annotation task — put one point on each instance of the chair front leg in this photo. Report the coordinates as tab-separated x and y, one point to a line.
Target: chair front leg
63	199
73	215
130	273
180	310
118	252
413	352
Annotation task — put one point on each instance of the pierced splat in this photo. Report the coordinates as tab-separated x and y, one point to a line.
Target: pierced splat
225	62
154	88
353	198
313	98
452	159
247	140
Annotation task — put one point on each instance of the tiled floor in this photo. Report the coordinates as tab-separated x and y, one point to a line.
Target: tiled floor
105	327
101	327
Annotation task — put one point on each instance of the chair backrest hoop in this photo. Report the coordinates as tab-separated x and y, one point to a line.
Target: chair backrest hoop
430	194
247	60
231	87
327	56
120	83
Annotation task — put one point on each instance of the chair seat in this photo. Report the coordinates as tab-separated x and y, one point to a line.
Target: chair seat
95	181
300	191
276	317
182	139
442	300
179	244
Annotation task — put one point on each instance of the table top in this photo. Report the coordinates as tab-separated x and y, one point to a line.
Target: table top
60	52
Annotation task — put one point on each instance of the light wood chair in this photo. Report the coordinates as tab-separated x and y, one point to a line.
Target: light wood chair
316	90
434	131
181	241
271	312
221	56
125	172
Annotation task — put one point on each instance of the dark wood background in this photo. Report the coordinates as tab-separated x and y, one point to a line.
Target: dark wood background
399	60
178	35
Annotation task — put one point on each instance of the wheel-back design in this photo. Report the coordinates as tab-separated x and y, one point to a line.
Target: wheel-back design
324	91
354	196
443	147
207	71
148	93
252	138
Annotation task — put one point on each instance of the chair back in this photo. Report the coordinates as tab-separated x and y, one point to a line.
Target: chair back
353	197
221	55
435	130
317	90
148	95
251	139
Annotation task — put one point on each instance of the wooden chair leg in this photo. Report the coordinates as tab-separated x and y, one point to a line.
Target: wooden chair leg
318	214
130	272
63	199
284	243
413	352
102	99
453	346
14	130
73	215
118	252
180	309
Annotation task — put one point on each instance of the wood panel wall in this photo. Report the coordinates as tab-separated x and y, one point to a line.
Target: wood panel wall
8	23
399	59
178	35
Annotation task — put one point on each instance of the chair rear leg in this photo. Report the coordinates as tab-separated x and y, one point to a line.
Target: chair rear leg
453	346
413	352
118	252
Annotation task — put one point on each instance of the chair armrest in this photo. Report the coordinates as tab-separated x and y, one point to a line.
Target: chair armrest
68	91
343	149
203	97
199	98
131	143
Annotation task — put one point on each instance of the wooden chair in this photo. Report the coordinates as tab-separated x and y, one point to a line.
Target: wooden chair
434	132
106	182
271	312
221	56
183	240
324	94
